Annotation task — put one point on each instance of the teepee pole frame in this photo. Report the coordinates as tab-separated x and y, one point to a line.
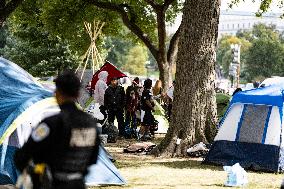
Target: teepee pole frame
92	51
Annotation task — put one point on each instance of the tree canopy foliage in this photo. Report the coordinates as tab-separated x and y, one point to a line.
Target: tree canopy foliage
145	21
262	51
117	50
224	56
264	6
136	60
265	57
65	18
7	7
33	48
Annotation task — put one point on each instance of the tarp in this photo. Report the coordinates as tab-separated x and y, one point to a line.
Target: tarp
112	72
18	92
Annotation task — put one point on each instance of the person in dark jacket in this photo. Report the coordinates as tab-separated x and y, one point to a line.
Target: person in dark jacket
132	105
147	107
67	142
114	101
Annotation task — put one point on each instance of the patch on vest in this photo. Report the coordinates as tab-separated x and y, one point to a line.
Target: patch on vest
83	137
41	132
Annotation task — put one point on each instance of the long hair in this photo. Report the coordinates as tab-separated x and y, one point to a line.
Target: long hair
157	88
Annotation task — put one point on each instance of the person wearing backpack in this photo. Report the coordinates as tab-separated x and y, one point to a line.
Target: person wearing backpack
147	107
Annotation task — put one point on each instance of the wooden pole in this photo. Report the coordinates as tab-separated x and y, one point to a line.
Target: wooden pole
100	58
83	71
99	30
93	57
97	55
83	59
87	26
92	51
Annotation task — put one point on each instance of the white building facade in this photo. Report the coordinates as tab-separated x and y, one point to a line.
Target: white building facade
233	21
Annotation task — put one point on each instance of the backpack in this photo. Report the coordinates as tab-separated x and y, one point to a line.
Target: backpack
130	132
111	131
154	126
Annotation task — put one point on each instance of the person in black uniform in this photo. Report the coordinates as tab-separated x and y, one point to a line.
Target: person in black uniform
67	142
114	101
147	106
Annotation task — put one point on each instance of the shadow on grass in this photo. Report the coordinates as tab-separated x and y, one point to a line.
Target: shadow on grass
144	185
214	185
193	164
184	164
123	143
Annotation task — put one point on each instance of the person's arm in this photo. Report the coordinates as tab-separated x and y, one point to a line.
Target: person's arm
23	156
34	148
148	100
149	104
95	153
106	99
157	97
128	93
123	99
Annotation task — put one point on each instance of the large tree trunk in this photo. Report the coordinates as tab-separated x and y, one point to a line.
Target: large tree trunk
194	91
165	74
163	64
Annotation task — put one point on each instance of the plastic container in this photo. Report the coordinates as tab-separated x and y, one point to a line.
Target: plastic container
103	138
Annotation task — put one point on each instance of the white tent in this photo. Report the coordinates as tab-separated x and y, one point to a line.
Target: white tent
251	131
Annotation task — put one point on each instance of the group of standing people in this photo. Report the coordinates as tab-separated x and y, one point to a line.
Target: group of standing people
66	144
117	103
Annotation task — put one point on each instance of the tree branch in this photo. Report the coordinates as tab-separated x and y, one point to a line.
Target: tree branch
128	18
161	24
173	47
7	9
167	3
152	3
2	4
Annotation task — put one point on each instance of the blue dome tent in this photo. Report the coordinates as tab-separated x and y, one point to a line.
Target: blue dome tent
23	104
251	131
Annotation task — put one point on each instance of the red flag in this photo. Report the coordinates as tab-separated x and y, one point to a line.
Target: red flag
112	72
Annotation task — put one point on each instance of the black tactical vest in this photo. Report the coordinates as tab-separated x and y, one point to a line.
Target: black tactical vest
76	143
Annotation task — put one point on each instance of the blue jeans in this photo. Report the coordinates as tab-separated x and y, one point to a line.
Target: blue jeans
131	121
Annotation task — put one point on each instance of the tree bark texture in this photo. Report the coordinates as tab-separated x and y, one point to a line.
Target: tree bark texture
194	116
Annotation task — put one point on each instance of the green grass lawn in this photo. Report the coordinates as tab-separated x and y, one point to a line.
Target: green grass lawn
148	172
